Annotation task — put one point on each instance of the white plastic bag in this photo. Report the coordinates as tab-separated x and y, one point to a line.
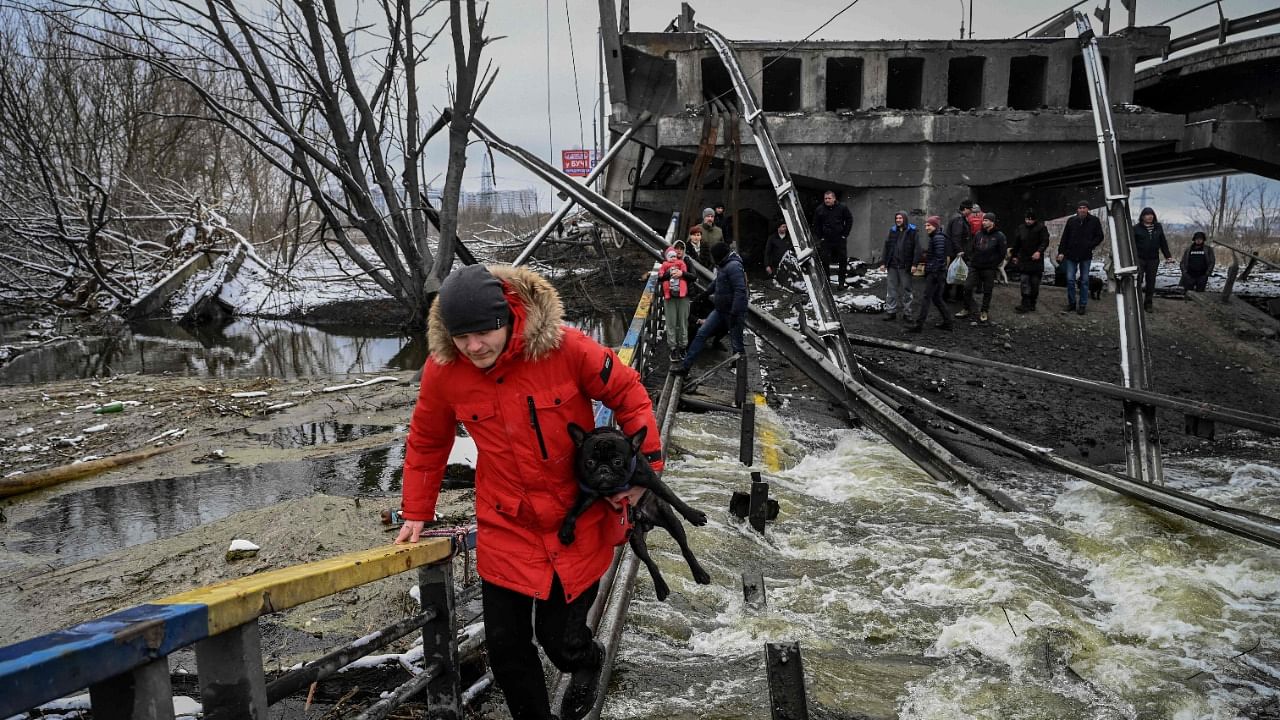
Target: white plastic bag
958	272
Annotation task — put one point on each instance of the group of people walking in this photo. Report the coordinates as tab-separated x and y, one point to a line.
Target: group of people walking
923	264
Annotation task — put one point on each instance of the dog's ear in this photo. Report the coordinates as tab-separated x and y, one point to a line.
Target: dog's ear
638	439
578	434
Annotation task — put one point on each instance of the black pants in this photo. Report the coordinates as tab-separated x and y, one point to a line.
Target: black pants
1147	277
833	251
934	282
1031	287
984	277
1195	282
510	622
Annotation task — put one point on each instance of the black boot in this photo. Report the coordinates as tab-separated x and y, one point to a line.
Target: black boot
1024	306
581	695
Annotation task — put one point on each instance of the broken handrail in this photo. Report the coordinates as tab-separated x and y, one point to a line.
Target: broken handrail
927	453
1224	28
826	315
1141	429
1208	411
1243	523
568	204
1251	254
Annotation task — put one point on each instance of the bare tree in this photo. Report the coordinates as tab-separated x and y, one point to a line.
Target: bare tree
1263	215
1219	206
344	124
98	160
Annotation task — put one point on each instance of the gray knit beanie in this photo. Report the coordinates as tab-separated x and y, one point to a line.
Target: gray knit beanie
472	300
708	211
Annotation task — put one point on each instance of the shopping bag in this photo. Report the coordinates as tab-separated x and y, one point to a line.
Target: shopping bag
958	272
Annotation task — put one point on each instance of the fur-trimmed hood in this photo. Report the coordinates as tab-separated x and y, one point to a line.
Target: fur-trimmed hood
537	317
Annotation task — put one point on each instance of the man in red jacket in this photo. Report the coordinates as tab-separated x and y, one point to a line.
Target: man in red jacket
504	365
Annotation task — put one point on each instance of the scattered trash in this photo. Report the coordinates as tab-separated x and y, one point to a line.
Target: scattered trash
216	456
24	432
241	550
168	435
111	407
95	428
366	383
250	394
278	407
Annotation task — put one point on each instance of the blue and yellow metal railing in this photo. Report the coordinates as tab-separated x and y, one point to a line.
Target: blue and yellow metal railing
122	658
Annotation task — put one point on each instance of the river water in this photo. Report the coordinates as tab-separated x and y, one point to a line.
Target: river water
914	599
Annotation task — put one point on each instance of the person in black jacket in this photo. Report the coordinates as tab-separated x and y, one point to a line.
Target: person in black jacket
1197	263
1030	241
775	248
832	222
729	295
985	255
935	275
1149	243
958	237
1081	234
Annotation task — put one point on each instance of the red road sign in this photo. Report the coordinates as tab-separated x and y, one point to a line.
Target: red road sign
577	162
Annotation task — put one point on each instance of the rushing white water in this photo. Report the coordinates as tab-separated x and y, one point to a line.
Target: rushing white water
916	599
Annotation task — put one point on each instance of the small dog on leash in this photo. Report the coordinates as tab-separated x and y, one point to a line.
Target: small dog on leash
1001	277
608	462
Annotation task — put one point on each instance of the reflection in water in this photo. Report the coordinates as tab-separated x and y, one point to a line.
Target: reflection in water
327	432
83	525
244	348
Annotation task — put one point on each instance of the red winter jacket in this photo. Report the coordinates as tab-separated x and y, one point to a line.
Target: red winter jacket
518	412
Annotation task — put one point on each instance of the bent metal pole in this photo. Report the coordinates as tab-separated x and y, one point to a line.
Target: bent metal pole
1141	434
601	164
822	304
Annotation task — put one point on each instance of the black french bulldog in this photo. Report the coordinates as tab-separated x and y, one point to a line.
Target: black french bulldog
608	462
1095	287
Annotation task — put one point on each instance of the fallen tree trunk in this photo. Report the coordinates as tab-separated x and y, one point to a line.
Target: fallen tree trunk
28	482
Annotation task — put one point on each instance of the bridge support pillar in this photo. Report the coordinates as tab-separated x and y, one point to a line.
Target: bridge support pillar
144	694
232	684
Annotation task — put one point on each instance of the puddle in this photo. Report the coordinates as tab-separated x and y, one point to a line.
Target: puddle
321	433
82	525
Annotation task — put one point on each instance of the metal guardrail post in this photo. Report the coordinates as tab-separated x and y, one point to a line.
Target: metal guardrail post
143	694
232	684
1141	432
786	681
753	589
758	510
747	435
440	640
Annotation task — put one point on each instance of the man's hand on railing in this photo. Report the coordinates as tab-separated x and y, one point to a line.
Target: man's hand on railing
410	531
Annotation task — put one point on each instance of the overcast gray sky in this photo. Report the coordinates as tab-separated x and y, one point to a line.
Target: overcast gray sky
517	106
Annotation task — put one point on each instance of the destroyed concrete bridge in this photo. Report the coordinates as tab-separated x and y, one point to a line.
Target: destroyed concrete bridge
922	125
